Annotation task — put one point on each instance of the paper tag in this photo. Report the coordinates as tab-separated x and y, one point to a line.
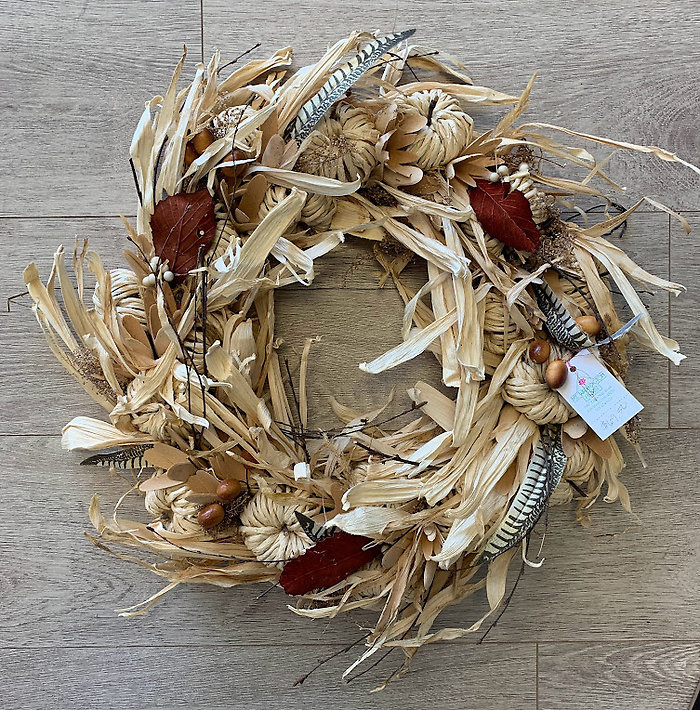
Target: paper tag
597	396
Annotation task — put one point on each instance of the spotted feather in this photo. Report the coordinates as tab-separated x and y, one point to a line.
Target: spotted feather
558	321
543	475
341	80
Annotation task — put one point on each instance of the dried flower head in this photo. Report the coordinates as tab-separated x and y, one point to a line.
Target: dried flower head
343	146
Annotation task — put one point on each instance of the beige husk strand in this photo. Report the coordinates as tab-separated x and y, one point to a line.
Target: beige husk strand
392	162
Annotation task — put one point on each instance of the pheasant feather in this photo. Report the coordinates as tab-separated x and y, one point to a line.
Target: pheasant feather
131	457
542	477
341	80
558	321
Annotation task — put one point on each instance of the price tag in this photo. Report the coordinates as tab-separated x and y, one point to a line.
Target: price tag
596	395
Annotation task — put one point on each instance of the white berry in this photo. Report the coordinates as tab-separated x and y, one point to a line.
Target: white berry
524	167
503	170
149	280
493	177
155	263
169	276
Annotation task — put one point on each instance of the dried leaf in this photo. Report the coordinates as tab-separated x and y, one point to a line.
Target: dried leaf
330	561
181	224
505	215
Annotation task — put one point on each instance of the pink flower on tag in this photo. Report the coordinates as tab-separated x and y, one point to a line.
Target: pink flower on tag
582	380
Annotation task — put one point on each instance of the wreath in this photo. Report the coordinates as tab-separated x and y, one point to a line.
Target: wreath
244	182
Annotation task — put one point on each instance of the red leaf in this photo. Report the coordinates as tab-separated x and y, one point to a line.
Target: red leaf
328	562
505	215
181	224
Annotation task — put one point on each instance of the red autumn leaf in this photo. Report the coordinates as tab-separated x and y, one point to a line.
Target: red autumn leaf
505	215
180	225
328	562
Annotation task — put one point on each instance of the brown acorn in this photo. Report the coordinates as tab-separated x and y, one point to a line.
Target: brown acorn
555	374
589	325
228	489
202	140
539	351
211	515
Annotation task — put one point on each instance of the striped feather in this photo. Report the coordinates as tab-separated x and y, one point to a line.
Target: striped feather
313	530
558	321
543	475
130	457
340	81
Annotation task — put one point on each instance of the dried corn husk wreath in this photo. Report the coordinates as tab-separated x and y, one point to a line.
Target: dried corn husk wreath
243	183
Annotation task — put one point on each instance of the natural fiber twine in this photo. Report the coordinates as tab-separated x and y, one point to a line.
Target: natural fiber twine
579	469
171	505
528	392
446	133
499	329
317	212
271	531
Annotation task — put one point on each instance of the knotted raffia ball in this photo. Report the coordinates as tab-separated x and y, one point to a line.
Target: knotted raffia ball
528	392
447	131
271	531
178	514
317	212
579	469
342	146
499	329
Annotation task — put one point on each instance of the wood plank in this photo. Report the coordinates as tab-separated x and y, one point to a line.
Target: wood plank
624	576
685	267
347	279
598	70
618	577
258	678
621	675
75	77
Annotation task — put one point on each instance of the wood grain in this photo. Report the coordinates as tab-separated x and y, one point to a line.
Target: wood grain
599	68
76	75
621	675
260	678
614	610
355	319
623	576
685	267
627	576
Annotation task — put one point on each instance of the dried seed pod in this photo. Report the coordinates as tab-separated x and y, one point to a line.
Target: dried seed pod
589	325
342	146
211	515
539	351
555	374
228	489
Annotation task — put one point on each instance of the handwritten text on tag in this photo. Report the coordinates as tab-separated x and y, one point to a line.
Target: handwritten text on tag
596	395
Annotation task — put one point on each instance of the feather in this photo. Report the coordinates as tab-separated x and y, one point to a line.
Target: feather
558	320
340	81
131	457
542	477
312	529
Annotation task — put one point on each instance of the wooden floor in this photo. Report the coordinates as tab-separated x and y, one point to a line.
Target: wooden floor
612	619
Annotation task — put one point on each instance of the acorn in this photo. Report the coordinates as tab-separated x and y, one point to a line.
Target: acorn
555	374
539	351
228	489
202	140
211	515
190	155
589	325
